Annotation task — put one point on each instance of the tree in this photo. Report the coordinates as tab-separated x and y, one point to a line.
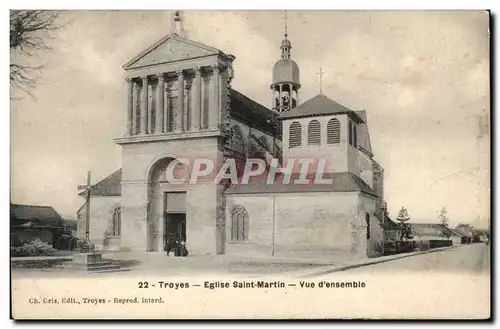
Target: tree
404	226
29	30
443	223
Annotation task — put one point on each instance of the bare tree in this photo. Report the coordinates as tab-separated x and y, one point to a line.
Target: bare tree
29	30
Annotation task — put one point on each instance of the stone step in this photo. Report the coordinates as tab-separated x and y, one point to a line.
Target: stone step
121	269
102	263
91	267
103	267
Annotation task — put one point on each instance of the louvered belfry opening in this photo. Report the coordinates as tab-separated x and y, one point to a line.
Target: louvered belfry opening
295	138
314	133
333	131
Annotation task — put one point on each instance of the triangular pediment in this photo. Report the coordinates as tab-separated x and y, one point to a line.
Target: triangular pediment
170	48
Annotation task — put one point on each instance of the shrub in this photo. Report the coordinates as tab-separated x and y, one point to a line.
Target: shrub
33	248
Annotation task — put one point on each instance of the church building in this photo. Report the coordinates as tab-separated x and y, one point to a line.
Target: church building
180	107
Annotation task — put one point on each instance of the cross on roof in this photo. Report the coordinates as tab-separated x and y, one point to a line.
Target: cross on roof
320	73
88	187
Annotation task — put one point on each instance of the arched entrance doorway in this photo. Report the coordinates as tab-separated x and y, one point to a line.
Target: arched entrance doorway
166	203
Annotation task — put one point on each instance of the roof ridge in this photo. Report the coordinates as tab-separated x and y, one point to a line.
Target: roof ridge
320	105
248	98
102	180
30	205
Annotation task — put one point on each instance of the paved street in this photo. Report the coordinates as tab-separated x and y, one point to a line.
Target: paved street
470	258
473	258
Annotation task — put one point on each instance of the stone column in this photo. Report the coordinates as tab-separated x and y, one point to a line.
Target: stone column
150	109
130	107
214	99
180	101
144	105
281	97
185	114
273	103
159	104
135	101
196	105
166	113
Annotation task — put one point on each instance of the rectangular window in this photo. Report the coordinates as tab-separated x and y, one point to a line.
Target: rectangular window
138	111
172	115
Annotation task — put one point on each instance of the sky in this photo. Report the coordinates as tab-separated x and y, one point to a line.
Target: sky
422	77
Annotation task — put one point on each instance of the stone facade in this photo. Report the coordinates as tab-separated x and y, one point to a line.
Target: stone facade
101	222
179	109
313	225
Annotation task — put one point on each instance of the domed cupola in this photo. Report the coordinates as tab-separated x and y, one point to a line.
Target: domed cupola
286	79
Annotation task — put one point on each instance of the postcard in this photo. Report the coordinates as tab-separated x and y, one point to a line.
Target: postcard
208	164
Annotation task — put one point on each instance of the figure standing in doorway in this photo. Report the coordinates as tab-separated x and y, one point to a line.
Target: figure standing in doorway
171	243
183	252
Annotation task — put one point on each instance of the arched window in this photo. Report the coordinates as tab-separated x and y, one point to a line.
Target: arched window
295	136
367	219
239	224
117	221
314	133
333	131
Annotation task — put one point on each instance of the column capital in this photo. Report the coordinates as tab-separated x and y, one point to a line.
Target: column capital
128	79
198	70
144	78
180	73
216	68
160	76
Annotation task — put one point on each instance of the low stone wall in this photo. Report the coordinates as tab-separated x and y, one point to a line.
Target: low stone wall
440	243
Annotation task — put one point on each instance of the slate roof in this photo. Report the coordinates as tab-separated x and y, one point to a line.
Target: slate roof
29	215
109	186
363	133
430	229
342	182
390	225
252	113
318	106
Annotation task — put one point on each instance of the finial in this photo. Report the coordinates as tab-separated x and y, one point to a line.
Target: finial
286	27
178	29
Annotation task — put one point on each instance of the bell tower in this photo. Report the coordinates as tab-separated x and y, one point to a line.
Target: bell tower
286	79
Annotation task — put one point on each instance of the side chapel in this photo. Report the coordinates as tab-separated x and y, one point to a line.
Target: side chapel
179	107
